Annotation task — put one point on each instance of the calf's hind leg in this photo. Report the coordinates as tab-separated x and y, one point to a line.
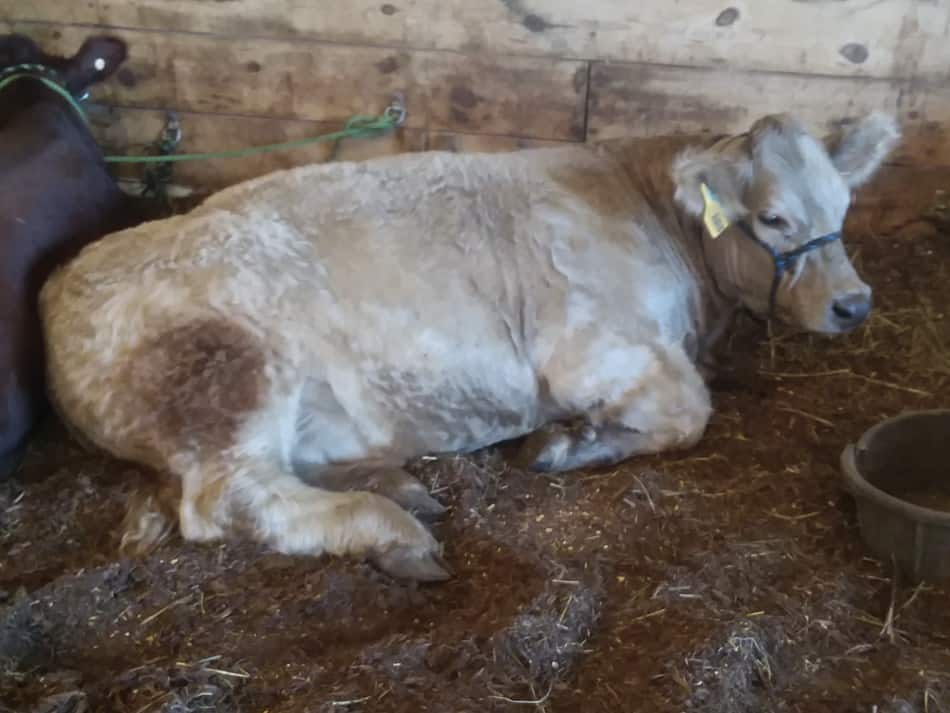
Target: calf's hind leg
664	406
377	476
295	517
207	403
258	495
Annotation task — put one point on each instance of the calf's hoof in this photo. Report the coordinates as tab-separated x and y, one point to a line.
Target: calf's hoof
406	491
409	563
403	548
390	481
552	448
414	497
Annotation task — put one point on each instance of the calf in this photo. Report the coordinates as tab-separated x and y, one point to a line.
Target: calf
55	196
283	349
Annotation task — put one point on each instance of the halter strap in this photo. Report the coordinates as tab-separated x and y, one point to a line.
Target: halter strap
784	261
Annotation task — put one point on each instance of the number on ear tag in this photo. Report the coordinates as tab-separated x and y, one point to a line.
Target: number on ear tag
714	217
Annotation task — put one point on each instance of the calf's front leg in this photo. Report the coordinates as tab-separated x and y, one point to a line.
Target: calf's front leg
665	406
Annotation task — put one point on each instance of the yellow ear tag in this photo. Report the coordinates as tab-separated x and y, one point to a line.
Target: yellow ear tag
714	217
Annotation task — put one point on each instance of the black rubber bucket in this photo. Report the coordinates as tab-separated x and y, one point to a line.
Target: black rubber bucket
899	475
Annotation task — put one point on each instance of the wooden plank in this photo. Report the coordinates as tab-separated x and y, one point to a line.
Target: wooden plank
884	38
531	97
649	100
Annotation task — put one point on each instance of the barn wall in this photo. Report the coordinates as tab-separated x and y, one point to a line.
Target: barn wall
497	74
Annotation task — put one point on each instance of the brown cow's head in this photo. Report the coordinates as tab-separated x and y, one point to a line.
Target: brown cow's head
96	60
780	189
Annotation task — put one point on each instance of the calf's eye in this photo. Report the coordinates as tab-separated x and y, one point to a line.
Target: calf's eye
772	220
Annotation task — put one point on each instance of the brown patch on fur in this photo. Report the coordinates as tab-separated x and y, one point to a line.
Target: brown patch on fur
199	381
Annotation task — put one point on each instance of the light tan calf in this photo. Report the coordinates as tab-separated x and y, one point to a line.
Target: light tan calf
309	331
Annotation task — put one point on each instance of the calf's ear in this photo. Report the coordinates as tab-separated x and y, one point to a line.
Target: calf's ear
18	49
858	148
723	175
97	59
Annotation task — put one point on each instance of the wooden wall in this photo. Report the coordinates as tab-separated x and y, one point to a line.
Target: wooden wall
497	74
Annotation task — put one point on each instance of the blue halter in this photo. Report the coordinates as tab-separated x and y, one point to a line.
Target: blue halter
784	261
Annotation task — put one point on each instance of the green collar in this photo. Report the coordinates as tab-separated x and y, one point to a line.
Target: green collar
45	76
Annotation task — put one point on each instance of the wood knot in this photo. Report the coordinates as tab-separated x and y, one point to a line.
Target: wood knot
854	52
727	17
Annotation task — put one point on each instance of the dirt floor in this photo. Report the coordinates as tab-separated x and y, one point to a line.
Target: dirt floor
730	578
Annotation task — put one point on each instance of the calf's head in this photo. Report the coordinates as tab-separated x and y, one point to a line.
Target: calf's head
785	195
97	59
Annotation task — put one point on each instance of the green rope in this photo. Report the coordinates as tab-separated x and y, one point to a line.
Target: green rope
49	84
358	127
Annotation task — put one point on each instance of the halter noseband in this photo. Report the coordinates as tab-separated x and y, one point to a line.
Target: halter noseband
784	261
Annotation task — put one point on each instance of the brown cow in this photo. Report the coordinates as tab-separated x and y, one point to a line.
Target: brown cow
55	197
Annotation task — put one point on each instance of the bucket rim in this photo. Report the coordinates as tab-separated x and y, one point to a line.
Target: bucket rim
861	488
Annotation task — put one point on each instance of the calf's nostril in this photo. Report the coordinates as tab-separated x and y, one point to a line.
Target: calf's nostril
843	310
853	308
